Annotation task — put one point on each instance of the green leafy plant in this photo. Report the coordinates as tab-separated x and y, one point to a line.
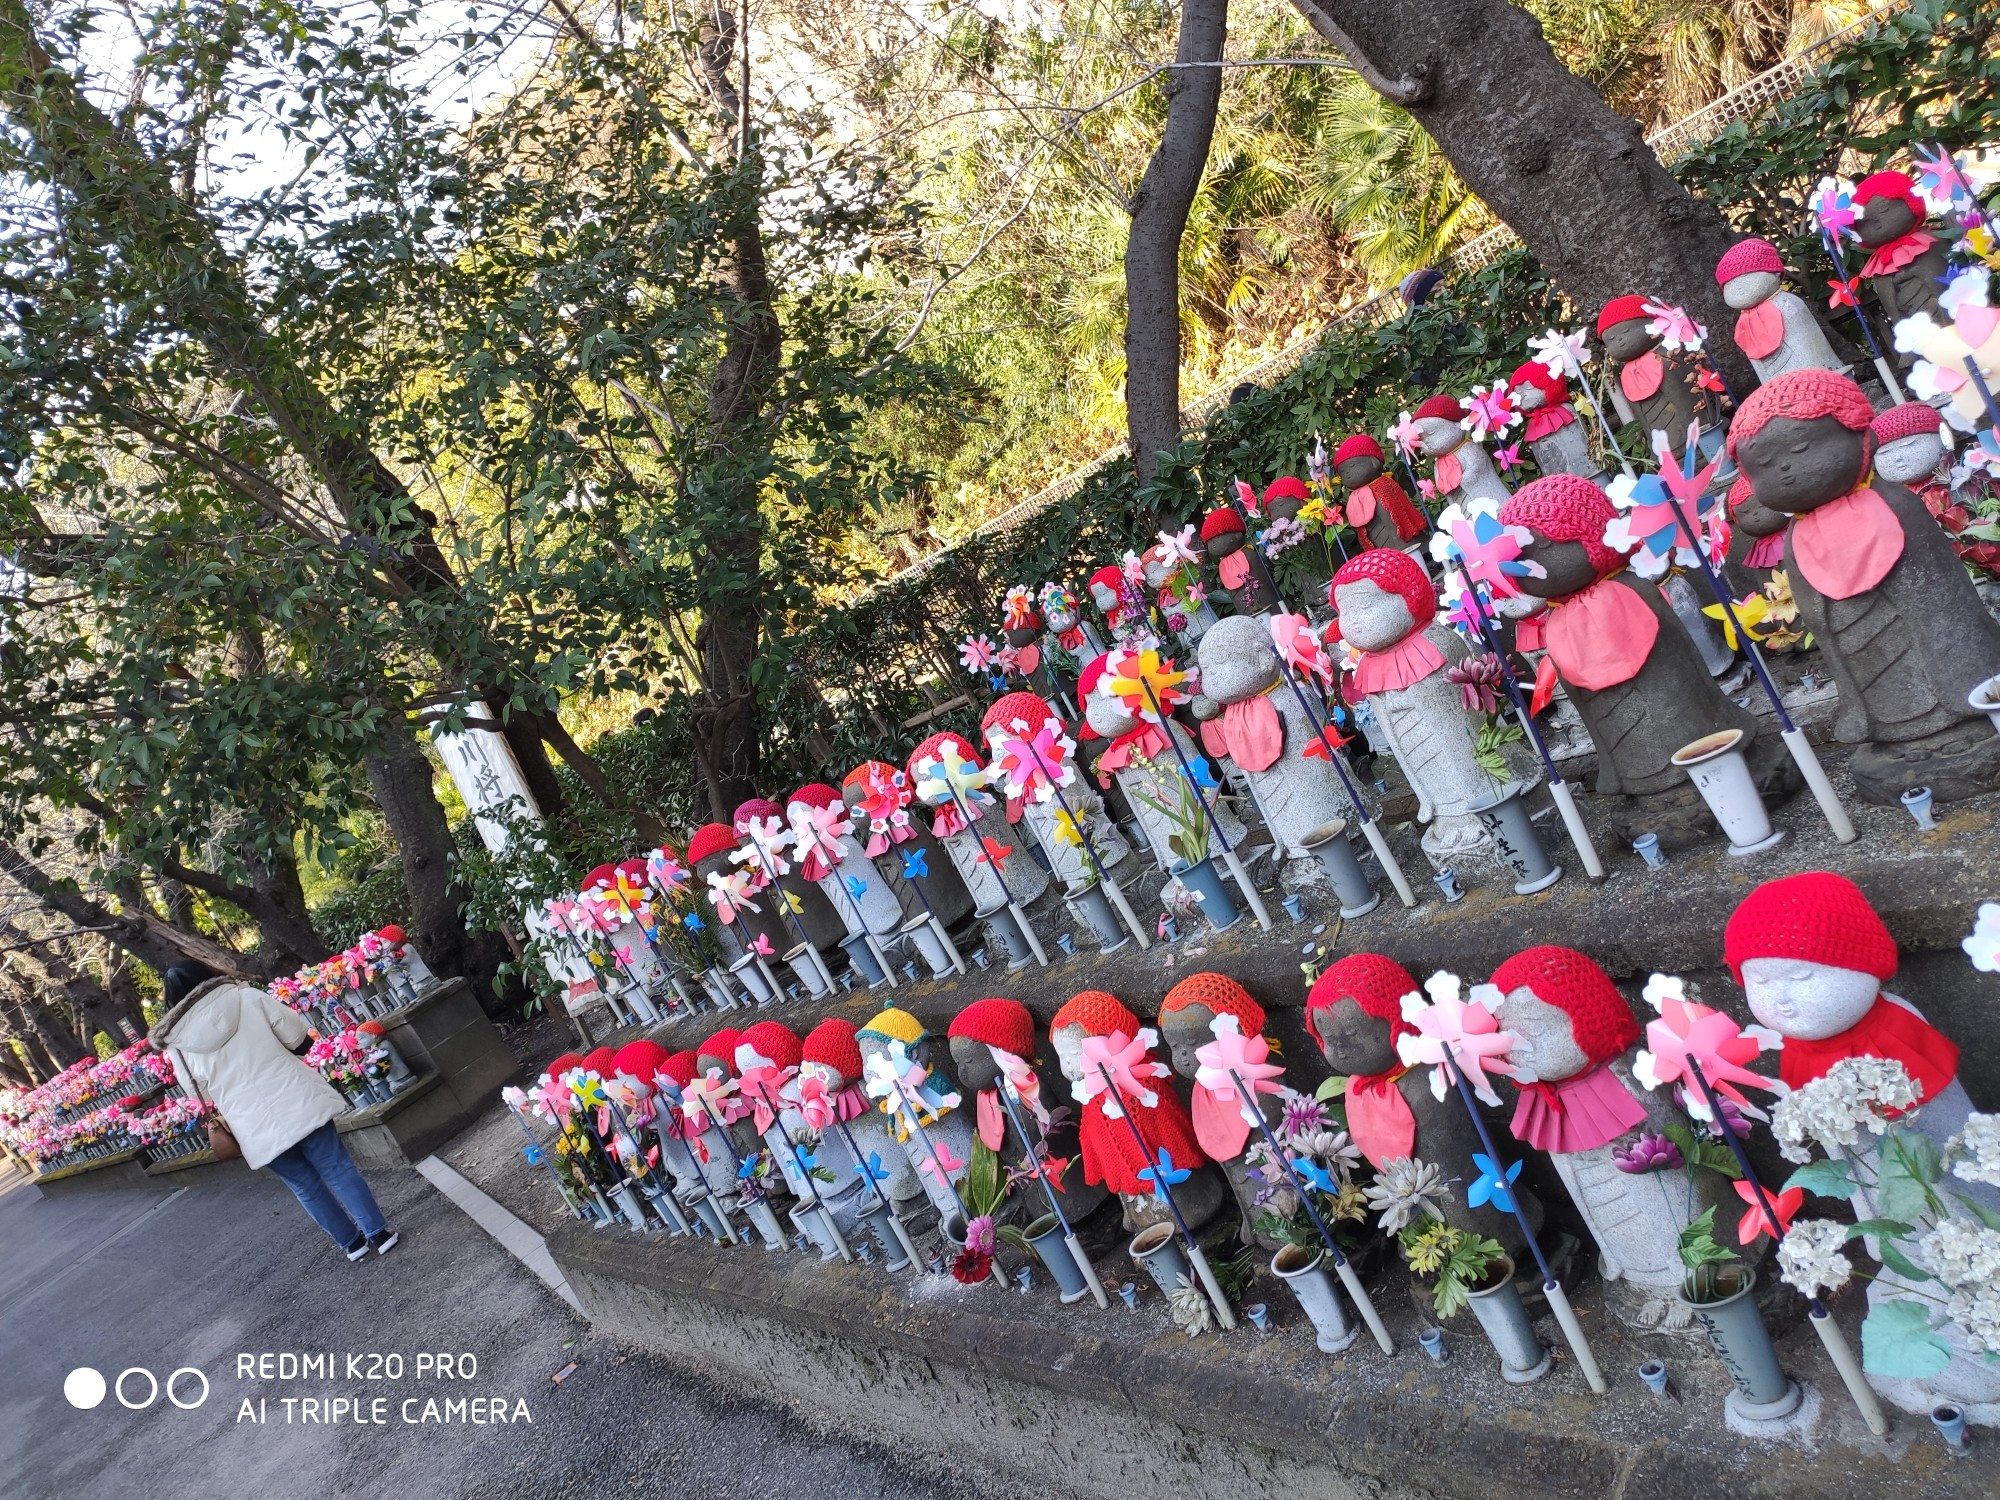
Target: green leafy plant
1488	746
1456	1261
1712	1272
1189	840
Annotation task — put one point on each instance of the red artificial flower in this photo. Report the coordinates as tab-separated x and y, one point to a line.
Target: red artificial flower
1755	1222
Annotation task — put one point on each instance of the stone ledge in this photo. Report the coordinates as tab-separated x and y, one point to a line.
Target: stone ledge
1123	1403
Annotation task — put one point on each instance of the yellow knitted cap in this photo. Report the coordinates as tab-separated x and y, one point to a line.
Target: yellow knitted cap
895	1025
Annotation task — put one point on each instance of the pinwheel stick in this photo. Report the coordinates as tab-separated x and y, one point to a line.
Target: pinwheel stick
1882	366
674	1097
867	935
1559	791
943	937
896	1224
541	1154
1111	888
909	1108
805	1178
676	1220
1552	1289
1837	1348
784	899
1048	1191
1166	1191
1794	737
1006	890
1242	876
1589	389
1348	1279
659	959
1986	395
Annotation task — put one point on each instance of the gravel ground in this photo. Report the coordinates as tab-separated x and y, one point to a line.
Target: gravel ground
117	1279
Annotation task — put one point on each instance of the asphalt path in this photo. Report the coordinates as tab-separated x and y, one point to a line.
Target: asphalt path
194	1279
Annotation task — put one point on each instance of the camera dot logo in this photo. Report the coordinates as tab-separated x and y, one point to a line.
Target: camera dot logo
84	1388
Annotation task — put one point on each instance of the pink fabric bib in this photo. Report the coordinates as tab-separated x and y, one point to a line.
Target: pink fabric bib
1760	330
1410	660
1450	472
1602	636
1544	420
1577	1114
1766	551
1234	569
1250	733
1379	1118
1027	658
1642	376
1848	546
1897	254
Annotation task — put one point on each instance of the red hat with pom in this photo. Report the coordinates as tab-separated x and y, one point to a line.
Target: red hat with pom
929	747
1023	705
1804	396
1396	572
832	1044
1911	419
640	1060
1098	1013
1890	185
1360	445
1818	917
1621	310
1221	995
816	794
1566	508
1576	986
720	1044
1747	256
710	838
1286	487
1222	521
678	1069
996	1022
1450	408
780	1045
1375	983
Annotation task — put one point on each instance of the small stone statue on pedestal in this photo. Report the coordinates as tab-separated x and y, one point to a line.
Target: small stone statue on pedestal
893	1042
993	1038
1906	263
1222	537
1147	770
829	1089
1380	511
1555	436
1663	390
1775	329
1184	1025
1463	470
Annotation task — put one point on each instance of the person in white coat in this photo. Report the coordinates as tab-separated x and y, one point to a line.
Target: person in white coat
236	1045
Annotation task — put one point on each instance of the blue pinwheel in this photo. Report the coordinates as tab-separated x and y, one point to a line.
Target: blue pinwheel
692	921
749	1165
1164	1174
915	865
1203	776
871	1171
856	887
1313	1173
534	1154
807	1161
997	681
1491	1184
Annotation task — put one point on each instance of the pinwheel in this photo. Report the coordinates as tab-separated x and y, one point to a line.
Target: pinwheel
1689	1033
994	853
940	1162
1673	327
1180	545
1492	1185
1146	686
977	653
1127	1062
856	886
1452	1031
1646	525
761	946
885	802
588	1089
871	1172
1404	434
820	1103
1163	1175
709	1099
1314	1175
762	1084
1246	496
729	892
916	864
1032	764
1833	207
946	779
1223	1113
1489	412
693	922
1757	1222
1974	334
1561	352
901	1084
763	852
1068	832
1491	551
1023	1084
816	833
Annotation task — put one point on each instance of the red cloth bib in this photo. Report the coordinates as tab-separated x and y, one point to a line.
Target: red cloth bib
1897	254
1450	473
1577	1114
1760	330
1888	1030
1766	551
1378	1116
1642	376
1847	546
1148	740
1529	634
1602	636
1250	733
1411	659
1234	569
1544	420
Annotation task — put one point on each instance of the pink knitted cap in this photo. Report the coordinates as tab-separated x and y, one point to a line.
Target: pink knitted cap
1745	256
1911	419
1804	396
1566	508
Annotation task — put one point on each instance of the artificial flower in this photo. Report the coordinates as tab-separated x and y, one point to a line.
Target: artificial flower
1756	1222
974	1263
1983	946
1406	1190
1650	1152
1810	1258
1855	1094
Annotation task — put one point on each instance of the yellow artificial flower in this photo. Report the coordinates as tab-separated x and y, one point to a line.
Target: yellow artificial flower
1750	610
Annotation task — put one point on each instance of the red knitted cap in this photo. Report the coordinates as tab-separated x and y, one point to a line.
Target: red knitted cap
758	807
721	1044
1022	705
1375	983
1098	1013
1745	256
710	838
1554	387
562	1064
679	1069
1395	572
1890	185
769	1039
928	747
1286	487
1621	310
1221	521
1106	577
1092	674
1222	995
640	1059
1566	508
1448	407
1804	396
816	794
859	774
1911	419
832	1043
605	876
1000	1023
1576	986
1819	917
1361	445
600	1060
1740	493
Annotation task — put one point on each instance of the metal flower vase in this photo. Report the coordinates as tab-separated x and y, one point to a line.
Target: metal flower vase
1206	884
1735	1328
1328	844
1505	1321
1304	1272
1715	765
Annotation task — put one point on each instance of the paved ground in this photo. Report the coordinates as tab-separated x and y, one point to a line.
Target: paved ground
191	1278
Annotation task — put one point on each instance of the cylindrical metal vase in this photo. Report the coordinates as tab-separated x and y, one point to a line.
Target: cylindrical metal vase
1304	1272
1328	844
1715	765
1500	1313
1506	822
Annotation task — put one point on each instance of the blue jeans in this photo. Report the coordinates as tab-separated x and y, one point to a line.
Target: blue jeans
323	1177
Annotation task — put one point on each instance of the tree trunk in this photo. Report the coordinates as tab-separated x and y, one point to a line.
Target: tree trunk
136	929
1153	245
402	780
1540	147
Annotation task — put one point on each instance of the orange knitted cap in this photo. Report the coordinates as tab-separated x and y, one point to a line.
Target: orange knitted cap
1221	995
1098	1013
1576	986
1819	917
996	1022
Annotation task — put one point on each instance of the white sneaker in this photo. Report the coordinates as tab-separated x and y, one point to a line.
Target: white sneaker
357	1250
383	1243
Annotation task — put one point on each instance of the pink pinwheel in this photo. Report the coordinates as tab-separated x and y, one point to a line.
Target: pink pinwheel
1293	636
1473	534
1180	545
1756	1222
885	802
820	1103
1222	1114
1007	658
1833	207
1509	457
939	1161
1246	496
1404	434
1673	327
1559	352
1687	1033
764	1086
816	836
1126	1059
761	946
1021	1082
729	893
976	652
709	1100
1026	762
1489	411
1463	1034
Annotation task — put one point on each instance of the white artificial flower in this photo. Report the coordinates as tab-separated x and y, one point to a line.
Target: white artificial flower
1810	1258
1962	1253
1661	988
1558	351
1983	947
1406	1189
1969	288
1974	1152
1853	1095
1441	986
